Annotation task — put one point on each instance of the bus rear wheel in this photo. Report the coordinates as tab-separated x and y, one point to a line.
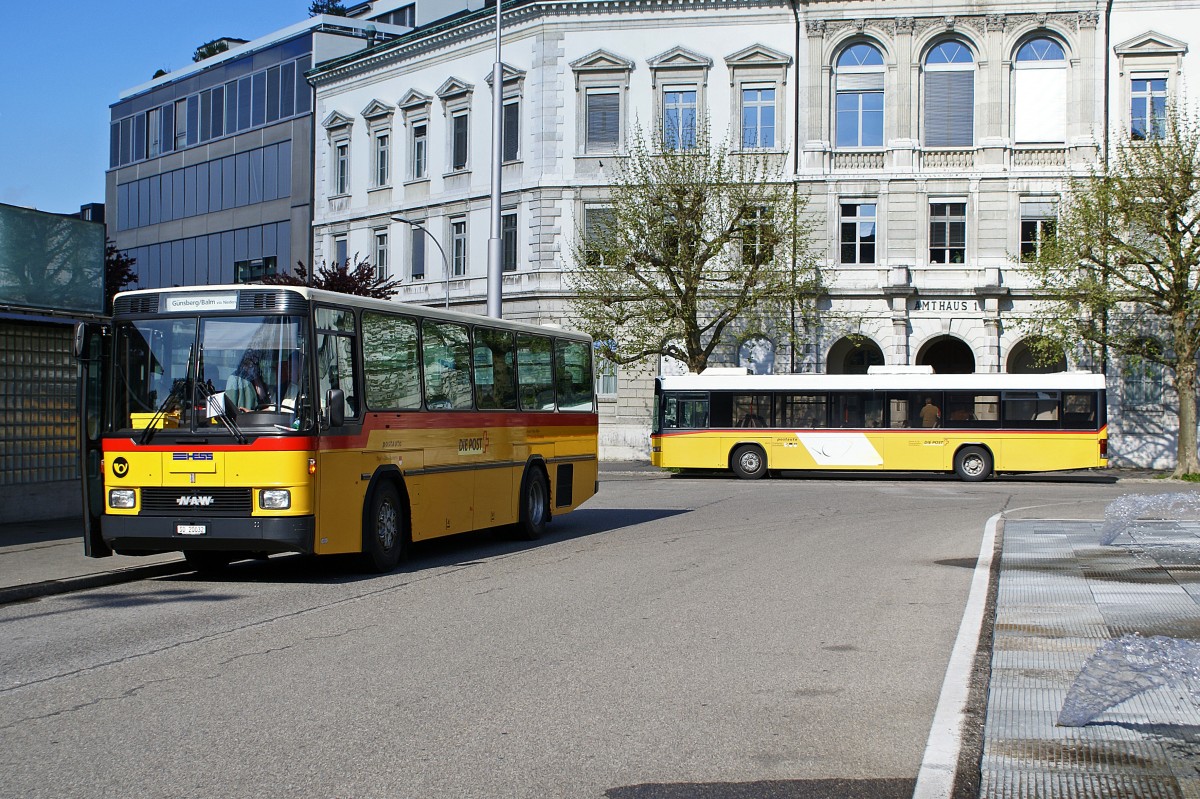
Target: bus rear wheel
972	464
384	533
749	462
535	505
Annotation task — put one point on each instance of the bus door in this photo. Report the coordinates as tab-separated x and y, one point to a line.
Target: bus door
341	485
91	351
916	438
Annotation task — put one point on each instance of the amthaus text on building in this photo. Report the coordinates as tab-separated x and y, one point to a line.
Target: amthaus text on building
971	424
253	419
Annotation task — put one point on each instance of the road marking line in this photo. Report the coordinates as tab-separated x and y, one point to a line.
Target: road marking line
935	780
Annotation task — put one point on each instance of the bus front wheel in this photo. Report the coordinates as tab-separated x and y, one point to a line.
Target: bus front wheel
384	536
972	464
535	505
749	462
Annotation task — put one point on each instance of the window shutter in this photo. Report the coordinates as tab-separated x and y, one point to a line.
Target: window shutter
603	121
511	131
418	253
860	82
1041	102
950	109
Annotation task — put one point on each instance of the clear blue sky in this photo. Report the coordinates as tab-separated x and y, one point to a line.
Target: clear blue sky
63	64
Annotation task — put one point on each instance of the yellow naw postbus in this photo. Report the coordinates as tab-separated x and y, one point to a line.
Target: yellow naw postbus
231	421
906	420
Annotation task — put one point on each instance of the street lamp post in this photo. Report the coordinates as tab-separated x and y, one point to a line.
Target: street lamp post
445	260
495	267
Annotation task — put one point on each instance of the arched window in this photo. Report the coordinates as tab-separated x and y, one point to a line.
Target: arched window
949	96
1040	92
858	86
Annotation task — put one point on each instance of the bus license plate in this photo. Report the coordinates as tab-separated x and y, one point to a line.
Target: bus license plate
191	529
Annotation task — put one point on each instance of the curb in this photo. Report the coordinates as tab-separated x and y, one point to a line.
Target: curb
21	593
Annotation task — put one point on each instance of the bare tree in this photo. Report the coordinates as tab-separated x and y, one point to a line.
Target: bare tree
692	240
1122	271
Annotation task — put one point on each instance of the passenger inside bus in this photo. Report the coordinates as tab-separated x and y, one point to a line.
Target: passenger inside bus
245	386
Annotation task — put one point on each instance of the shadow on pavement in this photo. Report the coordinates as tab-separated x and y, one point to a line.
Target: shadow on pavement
770	789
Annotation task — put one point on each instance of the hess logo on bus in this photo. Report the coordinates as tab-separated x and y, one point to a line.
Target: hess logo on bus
191	456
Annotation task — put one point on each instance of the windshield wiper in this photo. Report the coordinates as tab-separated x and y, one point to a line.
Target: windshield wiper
152	425
225	418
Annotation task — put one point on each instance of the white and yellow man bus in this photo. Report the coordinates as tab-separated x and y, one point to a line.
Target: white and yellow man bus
230	421
971	424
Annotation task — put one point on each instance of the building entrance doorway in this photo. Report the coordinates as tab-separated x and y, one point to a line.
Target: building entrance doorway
853	357
948	356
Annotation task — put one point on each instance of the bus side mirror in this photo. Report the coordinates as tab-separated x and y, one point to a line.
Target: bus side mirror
80	339
335	401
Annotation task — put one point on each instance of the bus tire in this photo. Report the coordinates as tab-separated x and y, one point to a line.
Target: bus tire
207	561
972	464
384	530
535	505
749	462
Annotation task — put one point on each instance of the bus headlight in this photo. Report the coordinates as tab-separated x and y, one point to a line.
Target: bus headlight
121	498
275	499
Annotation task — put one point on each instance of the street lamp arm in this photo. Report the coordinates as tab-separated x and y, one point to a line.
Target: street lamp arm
445	260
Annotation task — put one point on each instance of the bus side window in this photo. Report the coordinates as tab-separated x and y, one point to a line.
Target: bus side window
335	369
1079	411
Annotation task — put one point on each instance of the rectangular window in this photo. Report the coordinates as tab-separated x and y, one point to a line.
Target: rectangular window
950	108
340	254
381	254
206	115
495	377
606	378
800	410
446	352
1038	219
508	239
596	223
1142	385
512	130
420	143
1148	113
231	105
458	127
756	237
341	167
391	367
947	233
418	253
258	103
193	120
679	119
244	97
382	166
573	375
272	94
217	122
287	90
458	244
860	119
1025	409
180	124
603	111
857	233
154	132
535	372
758	118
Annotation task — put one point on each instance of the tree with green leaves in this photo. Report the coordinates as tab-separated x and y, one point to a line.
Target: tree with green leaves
1122	272
210	49
692	243
333	7
360	278
118	272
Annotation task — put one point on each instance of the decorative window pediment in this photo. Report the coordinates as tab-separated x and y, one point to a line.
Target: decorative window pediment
454	89
758	55
1151	43
414	101
377	110
510	75
679	63
337	121
602	61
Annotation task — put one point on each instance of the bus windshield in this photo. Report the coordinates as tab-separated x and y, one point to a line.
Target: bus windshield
199	373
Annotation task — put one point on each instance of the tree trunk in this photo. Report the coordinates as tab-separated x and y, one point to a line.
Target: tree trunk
1185	386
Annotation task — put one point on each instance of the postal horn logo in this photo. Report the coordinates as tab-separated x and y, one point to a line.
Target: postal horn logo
120	467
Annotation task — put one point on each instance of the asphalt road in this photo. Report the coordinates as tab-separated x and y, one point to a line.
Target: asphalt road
676	637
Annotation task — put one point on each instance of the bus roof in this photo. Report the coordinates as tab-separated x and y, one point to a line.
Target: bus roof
1051	381
352	301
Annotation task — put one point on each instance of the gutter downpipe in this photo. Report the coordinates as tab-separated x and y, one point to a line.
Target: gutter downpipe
795	4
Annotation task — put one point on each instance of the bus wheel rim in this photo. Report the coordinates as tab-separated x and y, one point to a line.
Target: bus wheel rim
750	461
537	502
973	465
385	525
